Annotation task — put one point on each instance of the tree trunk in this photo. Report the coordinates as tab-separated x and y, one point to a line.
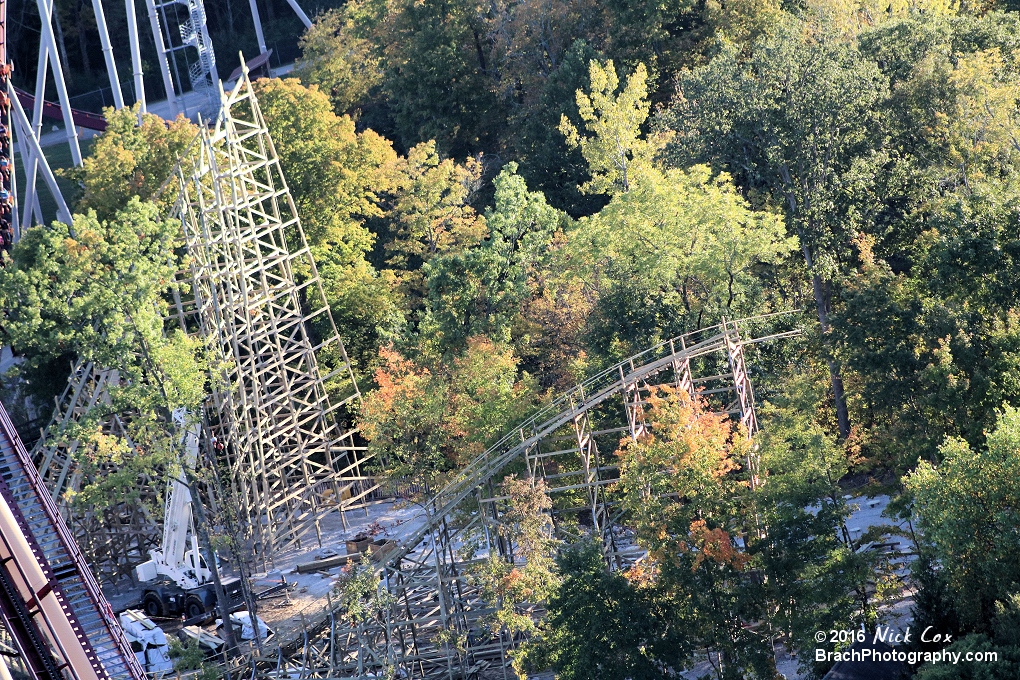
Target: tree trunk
822	306
838	396
197	510
83	43
61	45
243	572
201	528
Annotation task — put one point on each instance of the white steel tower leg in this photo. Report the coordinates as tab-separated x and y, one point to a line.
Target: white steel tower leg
164	67
111	65
45	11
30	209
136	55
258	26
29	199
32	166
21	120
300	12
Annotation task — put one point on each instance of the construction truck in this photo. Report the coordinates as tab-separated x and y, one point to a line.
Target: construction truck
178	579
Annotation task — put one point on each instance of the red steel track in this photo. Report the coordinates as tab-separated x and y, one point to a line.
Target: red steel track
6	196
49	601
85	119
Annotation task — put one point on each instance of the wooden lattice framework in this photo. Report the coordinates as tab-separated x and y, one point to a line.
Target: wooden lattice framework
249	289
434	599
255	296
117	538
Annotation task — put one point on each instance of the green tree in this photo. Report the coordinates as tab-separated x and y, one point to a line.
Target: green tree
531	39
615	149
402	419
663	35
682	489
814	576
672	249
926	321
965	509
439	76
337	57
423	421
488	394
482	291
675	252
1008	656
600	625
431	209
98	289
335	173
527	574
546	162
338	178
850	19
91	289
130	159
788	121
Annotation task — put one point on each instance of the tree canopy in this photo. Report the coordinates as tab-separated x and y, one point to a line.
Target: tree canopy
504	198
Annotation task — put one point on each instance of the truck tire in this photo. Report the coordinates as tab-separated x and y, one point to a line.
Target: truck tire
152	605
193	607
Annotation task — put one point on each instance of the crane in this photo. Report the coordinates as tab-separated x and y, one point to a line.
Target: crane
179	576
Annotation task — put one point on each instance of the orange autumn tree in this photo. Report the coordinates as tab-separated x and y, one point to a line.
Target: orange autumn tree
422	421
686	495
404	420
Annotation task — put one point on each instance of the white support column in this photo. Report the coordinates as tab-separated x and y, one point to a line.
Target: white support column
32	166
27	198
258	26
164	67
111	65
300	12
136	55
40	89
31	162
46	12
63	213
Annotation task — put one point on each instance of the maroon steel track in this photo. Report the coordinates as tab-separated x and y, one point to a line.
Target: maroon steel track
85	119
79	624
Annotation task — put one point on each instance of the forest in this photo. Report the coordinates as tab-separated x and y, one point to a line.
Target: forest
502	198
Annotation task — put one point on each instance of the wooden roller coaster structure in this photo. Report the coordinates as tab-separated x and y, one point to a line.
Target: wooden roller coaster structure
434	599
275	421
278	424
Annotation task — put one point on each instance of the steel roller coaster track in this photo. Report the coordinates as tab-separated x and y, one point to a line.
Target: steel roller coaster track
50	603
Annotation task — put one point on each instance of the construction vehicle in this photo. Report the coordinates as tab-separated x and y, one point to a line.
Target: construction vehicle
178	579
